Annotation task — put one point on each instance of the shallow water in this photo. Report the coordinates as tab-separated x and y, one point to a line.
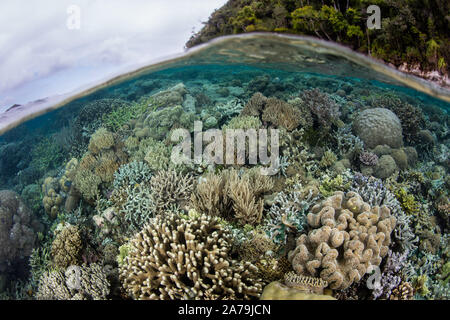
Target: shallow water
70	167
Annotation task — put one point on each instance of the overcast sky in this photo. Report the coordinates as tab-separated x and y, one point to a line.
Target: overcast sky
43	52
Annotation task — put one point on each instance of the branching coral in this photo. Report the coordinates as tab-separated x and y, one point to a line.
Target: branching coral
325	110
281	114
173	258
233	196
347	237
131	174
75	283
169	188
288	213
376	194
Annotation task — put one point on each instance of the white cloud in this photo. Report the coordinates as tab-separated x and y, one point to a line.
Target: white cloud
40	56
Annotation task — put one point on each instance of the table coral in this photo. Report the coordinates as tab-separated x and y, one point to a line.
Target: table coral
347	237
174	258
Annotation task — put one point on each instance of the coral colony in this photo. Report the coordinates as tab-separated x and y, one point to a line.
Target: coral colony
228	182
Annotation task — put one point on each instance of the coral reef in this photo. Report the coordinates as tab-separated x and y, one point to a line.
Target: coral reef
173	258
348	236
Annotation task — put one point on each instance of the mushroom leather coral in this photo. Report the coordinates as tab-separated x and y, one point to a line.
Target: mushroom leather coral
347	236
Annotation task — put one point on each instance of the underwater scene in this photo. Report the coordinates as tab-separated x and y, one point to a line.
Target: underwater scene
252	168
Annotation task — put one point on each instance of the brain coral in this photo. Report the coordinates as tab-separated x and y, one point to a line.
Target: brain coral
17	229
173	258
347	237
378	126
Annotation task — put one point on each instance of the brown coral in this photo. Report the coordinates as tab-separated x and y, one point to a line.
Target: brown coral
99	164
173	258
233	196
403	292
347	237
281	114
255	105
66	248
170	188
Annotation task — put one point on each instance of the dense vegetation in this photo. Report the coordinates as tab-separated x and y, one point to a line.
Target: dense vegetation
412	31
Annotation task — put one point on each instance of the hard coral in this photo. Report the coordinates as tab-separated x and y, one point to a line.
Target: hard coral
18	229
66	248
173	258
281	114
75	283
233	196
325	110
378	126
169	188
347	237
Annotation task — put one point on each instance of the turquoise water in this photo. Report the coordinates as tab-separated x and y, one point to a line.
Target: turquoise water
97	172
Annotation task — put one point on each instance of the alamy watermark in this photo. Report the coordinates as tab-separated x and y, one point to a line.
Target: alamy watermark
374	20
231	147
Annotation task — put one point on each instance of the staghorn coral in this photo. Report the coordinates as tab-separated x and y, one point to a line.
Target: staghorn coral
138	207
169	188
328	159
324	109
173	258
281	114
255	105
66	248
375	193
378	126
347	237
131	174
390	278
288	213
233	196
75	283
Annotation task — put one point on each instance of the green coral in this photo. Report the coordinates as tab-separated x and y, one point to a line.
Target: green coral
329	185
407	201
